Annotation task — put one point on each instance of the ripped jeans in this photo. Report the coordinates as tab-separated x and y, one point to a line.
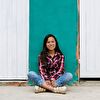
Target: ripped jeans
61	81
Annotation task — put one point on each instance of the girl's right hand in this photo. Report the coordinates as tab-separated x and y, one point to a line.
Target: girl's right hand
48	82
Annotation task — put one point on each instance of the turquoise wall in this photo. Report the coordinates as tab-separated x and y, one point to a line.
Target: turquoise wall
59	17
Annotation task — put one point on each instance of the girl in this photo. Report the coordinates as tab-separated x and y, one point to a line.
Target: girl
51	67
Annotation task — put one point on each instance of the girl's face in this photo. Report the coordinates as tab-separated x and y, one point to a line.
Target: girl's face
51	44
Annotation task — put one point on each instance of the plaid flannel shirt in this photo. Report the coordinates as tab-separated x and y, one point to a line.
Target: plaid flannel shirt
54	68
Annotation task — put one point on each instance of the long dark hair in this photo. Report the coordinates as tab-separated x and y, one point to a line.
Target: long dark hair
44	51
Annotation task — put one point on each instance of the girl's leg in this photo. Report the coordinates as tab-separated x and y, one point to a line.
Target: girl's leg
34	77
65	78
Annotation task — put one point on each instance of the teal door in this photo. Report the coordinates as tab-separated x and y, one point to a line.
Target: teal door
58	17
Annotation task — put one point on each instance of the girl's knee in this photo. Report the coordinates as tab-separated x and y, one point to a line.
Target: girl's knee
69	76
31	74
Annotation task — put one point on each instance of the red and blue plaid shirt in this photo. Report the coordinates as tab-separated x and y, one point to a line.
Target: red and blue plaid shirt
54	68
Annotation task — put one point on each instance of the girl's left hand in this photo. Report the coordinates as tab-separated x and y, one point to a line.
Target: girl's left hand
53	83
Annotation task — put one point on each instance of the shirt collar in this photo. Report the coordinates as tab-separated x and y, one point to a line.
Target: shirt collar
57	53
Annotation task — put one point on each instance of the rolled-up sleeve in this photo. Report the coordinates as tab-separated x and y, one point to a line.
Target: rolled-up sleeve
42	70
60	70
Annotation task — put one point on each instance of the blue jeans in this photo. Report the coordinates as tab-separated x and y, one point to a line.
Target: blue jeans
61	81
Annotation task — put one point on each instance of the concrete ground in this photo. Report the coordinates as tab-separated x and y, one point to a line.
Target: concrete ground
86	90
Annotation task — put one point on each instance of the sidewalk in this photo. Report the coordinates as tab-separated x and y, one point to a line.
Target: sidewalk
89	90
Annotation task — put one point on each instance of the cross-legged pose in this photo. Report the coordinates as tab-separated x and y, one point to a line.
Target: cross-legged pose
52	76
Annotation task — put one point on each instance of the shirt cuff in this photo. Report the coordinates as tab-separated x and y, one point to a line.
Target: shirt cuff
52	79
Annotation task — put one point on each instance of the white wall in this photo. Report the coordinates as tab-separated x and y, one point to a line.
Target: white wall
90	38
14	34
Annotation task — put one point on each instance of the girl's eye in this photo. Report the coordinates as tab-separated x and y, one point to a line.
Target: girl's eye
48	42
52	41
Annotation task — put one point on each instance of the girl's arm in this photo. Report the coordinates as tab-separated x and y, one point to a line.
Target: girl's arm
60	71
42	70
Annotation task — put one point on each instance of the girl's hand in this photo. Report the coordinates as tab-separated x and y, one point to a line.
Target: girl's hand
48	82
53	83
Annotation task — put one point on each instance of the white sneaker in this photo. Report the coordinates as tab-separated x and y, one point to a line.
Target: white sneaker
61	90
38	89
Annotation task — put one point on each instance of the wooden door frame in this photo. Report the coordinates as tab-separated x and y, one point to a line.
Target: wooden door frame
78	42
